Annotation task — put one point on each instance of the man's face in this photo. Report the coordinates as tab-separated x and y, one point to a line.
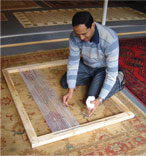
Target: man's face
83	32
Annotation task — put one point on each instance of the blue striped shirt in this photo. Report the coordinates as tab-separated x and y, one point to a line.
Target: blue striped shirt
105	53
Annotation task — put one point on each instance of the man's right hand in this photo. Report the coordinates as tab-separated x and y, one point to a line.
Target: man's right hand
68	96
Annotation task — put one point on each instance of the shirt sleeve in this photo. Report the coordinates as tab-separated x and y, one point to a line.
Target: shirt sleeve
112	61
73	61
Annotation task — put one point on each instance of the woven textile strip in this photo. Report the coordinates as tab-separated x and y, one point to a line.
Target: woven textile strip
53	110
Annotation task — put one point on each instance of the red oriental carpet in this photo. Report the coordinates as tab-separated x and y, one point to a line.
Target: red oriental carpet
133	62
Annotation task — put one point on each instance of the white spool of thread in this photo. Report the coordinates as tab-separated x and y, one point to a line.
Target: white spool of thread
88	102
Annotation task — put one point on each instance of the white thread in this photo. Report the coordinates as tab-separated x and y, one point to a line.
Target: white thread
88	102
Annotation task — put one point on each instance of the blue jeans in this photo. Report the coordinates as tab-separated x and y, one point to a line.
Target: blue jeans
94	78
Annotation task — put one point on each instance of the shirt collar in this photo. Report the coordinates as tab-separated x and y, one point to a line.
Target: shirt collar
95	37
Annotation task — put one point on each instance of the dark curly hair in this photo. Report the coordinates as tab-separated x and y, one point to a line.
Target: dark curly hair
82	17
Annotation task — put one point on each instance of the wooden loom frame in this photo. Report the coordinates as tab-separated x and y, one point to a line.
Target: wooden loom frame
51	137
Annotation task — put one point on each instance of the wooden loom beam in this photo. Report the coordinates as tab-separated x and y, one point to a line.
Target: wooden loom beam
48	138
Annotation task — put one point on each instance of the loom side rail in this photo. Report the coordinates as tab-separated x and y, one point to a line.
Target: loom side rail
20	108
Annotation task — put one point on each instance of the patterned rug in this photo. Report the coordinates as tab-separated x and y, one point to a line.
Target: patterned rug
71	4
18	5
125	138
3	17
64	16
133	61
80	4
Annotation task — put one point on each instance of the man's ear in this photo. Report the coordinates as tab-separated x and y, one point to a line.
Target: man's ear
93	25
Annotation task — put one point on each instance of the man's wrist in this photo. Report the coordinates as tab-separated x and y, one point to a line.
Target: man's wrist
100	100
71	90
